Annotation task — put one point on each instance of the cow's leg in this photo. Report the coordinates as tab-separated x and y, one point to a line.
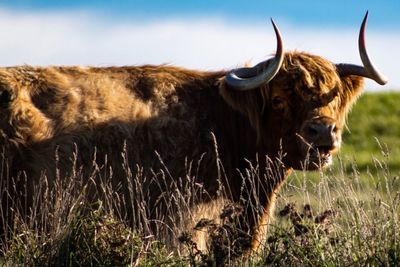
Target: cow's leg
259	230
258	216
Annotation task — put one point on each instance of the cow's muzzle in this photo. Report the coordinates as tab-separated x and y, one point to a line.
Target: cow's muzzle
319	138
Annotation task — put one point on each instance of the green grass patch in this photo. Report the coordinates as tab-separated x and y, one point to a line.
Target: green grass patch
373	131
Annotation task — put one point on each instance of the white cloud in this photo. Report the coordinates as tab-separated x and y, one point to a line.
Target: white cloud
73	38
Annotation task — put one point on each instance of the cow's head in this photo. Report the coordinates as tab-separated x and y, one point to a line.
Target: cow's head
300	102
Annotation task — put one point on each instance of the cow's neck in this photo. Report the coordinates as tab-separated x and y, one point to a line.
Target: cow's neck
237	147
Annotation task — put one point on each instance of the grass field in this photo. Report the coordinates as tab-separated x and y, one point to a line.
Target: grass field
346	216
374	131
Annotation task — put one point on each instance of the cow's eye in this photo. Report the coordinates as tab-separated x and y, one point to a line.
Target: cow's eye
5	98
277	103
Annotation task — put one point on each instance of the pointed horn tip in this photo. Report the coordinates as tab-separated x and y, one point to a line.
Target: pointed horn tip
273	23
382	81
365	18
276	29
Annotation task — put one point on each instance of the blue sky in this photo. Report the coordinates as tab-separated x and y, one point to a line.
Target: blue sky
337	13
196	34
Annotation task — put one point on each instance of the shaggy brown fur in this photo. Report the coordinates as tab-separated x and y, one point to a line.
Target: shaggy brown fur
165	117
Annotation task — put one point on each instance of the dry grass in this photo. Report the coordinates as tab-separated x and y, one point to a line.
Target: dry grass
341	220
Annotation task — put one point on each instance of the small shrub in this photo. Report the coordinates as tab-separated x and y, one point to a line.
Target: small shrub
93	238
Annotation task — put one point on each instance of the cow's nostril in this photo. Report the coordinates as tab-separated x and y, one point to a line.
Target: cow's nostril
332	128
312	130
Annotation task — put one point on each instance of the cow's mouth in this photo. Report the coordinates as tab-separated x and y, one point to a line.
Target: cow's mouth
317	152
320	156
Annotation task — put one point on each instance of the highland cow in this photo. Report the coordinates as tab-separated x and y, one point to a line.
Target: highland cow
285	113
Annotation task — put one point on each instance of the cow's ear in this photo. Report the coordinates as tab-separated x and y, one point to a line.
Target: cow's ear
352	85
350	89
264	99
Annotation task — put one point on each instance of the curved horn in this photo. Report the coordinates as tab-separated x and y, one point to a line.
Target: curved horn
368	70
250	78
